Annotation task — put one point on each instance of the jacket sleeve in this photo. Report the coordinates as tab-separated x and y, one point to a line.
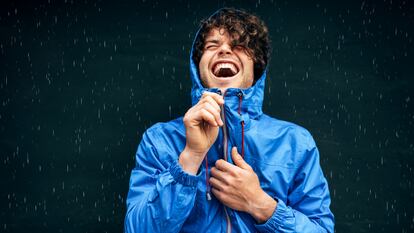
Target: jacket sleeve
161	195
307	207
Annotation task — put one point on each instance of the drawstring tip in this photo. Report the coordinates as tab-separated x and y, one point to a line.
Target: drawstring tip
208	196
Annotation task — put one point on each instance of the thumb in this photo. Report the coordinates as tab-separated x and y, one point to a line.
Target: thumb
238	159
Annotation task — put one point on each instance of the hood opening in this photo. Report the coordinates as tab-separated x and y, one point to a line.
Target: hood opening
248	30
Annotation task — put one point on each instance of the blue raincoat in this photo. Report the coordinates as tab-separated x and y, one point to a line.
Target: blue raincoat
164	198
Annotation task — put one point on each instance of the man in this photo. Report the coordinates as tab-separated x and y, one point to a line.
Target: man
225	166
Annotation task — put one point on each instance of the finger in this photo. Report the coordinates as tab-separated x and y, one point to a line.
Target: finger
218	194
225	166
206	116
238	159
219	175
216	106
216	112
217	184
218	98
212	101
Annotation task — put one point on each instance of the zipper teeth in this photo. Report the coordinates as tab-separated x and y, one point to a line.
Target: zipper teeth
224	134
223	117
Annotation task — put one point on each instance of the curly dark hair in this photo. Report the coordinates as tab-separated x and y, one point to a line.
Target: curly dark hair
246	30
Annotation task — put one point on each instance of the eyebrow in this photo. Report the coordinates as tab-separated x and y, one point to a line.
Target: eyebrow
212	41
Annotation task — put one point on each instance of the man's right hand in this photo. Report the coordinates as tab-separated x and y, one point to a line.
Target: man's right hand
202	123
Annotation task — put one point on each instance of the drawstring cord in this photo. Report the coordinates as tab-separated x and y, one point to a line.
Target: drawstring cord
240	94
207	181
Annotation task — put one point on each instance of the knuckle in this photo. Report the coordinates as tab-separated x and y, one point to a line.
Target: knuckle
209	98
231	180
186	118
206	105
234	173
200	102
237	173
206	94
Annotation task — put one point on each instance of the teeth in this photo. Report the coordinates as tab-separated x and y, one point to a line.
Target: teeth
224	65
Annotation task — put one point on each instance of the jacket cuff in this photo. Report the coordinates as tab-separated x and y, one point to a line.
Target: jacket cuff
280	217
183	177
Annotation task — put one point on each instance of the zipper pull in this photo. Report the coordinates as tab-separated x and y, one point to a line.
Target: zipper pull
208	196
241	119
240	95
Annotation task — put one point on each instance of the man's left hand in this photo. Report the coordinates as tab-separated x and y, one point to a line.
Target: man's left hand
238	187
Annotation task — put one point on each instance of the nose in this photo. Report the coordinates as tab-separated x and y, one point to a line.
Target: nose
225	49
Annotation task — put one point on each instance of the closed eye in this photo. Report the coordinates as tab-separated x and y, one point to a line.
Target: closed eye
212	46
239	47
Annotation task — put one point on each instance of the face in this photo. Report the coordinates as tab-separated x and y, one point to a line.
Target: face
223	66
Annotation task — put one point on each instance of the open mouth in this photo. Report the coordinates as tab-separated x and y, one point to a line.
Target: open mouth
225	69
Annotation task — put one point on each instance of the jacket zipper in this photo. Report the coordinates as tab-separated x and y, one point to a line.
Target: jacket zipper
225	142
225	149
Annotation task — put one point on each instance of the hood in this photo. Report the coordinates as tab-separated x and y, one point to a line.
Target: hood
252	96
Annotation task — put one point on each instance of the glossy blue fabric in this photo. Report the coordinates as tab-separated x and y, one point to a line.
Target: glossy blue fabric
164	198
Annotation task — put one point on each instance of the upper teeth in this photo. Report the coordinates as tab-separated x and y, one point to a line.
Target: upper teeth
222	65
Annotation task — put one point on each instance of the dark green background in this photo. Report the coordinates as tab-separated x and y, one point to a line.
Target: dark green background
80	81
